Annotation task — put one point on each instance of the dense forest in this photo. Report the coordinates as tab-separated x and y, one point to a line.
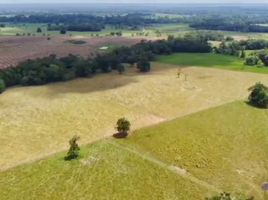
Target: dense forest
51	69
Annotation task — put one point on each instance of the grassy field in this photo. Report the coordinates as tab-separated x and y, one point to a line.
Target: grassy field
210	60
226	146
32	117
187	158
104	172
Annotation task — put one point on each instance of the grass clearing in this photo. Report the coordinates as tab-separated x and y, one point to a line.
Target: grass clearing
103	172
52	114
226	146
210	60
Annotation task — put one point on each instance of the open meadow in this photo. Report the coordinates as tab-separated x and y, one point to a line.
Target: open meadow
34	117
133	101
212	61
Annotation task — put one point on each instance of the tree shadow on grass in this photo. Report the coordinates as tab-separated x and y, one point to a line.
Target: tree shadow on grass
120	135
96	83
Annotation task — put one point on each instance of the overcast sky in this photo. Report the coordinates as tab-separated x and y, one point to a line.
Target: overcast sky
132	1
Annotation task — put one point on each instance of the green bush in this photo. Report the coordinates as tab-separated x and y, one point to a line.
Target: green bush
251	60
258	95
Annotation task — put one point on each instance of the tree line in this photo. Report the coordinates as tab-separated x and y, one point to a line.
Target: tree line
85	27
238	48
52	69
230	23
84	22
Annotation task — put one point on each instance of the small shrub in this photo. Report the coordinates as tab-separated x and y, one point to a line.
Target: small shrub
258	95
63	31
251	60
39	30
73	152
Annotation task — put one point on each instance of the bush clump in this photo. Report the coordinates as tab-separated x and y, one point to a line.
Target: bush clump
251	60
258	95
74	149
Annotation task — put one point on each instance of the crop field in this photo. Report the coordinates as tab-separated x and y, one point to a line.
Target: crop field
51	114
224	152
212	61
17	49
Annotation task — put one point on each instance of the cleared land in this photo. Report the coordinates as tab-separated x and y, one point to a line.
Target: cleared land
31	118
211	60
17	49
225	149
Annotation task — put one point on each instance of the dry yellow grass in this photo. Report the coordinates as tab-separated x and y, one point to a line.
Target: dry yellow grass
38	121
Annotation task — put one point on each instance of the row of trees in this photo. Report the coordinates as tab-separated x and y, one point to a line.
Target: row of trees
84	22
85	27
233	23
52	69
237	48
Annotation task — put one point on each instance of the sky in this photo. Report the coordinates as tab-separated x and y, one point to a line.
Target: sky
130	1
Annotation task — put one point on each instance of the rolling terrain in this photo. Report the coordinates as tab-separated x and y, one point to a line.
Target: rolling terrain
33	117
193	157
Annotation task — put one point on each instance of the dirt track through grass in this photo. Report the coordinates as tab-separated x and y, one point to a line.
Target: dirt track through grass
179	171
38	121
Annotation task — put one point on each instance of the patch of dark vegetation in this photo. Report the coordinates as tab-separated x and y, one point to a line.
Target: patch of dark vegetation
77	42
73	152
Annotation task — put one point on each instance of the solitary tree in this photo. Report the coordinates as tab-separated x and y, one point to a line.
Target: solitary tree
63	31
258	95
73	152
243	54
123	126
39	30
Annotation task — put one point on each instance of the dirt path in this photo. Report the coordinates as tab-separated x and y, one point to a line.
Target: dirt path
174	169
